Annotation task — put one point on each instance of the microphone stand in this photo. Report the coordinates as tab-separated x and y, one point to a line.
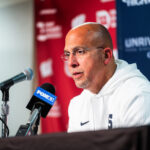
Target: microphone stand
35	127
31	127
5	110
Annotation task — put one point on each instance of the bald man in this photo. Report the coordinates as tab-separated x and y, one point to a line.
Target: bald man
115	94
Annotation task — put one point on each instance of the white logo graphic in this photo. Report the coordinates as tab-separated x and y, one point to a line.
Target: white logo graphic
55	111
48	11
106	18
112	14
48	30
51	99
105	1
136	2
78	20
137	42
46	68
66	69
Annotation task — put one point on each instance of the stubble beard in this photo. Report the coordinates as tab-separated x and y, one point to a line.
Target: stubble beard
82	85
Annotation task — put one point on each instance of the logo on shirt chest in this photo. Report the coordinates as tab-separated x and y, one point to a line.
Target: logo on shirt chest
83	123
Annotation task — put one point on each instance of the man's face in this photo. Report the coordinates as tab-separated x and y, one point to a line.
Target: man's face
87	69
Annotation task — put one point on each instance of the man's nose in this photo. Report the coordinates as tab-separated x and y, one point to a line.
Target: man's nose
72	61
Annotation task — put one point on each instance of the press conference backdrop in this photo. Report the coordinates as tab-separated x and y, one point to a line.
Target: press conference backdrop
133	33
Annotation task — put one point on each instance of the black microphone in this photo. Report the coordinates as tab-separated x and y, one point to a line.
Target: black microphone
40	104
27	74
43	97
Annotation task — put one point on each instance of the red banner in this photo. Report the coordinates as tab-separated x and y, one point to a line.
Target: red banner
53	19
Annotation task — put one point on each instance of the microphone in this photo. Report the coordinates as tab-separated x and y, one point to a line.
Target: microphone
40	104
27	74
43	97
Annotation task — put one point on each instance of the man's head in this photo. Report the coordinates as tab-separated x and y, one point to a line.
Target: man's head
88	50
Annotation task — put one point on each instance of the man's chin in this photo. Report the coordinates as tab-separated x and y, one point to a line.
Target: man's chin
82	85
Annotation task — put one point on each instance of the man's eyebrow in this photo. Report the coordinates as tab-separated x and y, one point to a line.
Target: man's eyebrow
75	48
79	47
66	51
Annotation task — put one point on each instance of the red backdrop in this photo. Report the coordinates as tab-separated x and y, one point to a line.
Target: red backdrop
53	19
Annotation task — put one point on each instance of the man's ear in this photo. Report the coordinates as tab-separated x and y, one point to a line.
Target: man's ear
108	53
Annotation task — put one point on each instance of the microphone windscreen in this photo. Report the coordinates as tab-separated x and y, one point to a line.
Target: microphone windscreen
43	97
48	87
29	73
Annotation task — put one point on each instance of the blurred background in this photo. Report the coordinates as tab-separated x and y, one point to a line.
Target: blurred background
32	34
16	54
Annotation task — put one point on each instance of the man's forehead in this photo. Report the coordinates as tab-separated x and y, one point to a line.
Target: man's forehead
82	39
77	42
84	30
77	32
83	35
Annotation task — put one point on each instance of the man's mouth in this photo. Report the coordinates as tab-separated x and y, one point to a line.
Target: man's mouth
77	75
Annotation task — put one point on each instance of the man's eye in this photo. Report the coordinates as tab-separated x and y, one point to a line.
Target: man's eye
80	51
67	54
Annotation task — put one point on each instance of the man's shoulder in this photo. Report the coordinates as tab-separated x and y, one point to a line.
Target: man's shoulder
132	89
137	84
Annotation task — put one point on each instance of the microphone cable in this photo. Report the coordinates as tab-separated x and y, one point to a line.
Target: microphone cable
5	126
